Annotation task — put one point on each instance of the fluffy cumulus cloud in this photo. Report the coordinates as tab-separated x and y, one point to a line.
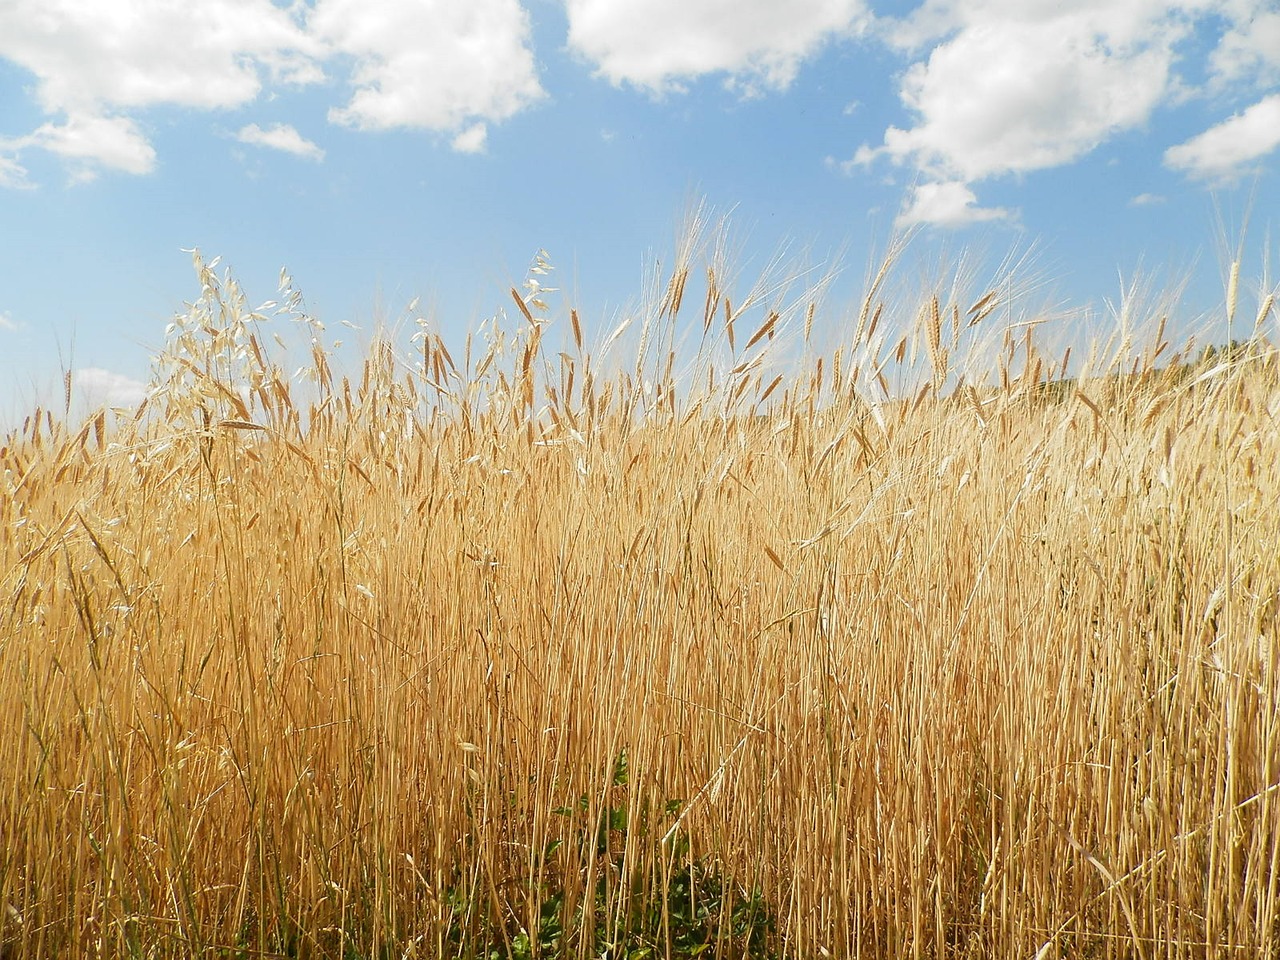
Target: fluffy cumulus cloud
97	61
280	136
1008	87
433	64
657	44
472	139
92	56
1249	50
440	65
989	88
949	204
1226	150
86	139
1048	92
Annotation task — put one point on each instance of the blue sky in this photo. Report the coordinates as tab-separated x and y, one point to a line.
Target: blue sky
384	150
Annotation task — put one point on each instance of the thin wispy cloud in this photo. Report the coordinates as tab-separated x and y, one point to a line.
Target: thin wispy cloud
282	137
13	175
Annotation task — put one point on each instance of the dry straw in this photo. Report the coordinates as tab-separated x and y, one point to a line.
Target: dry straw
704	654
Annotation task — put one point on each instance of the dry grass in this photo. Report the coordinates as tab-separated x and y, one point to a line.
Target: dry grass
353	669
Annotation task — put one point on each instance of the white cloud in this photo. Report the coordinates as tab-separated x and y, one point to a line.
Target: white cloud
656	44
431	64
113	142
1018	86
948	204
98	388
95	61
7	323
1249	49
472	139
281	136
92	56
1146	200
13	174
1224	150
450	66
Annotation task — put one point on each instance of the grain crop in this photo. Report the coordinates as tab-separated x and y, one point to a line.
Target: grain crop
739	646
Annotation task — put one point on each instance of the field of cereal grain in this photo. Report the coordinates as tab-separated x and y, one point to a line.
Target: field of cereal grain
736	647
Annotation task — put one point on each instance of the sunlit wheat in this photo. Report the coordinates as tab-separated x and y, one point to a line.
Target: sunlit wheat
527	648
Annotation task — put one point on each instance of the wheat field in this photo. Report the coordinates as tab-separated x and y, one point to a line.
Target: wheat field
738	647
